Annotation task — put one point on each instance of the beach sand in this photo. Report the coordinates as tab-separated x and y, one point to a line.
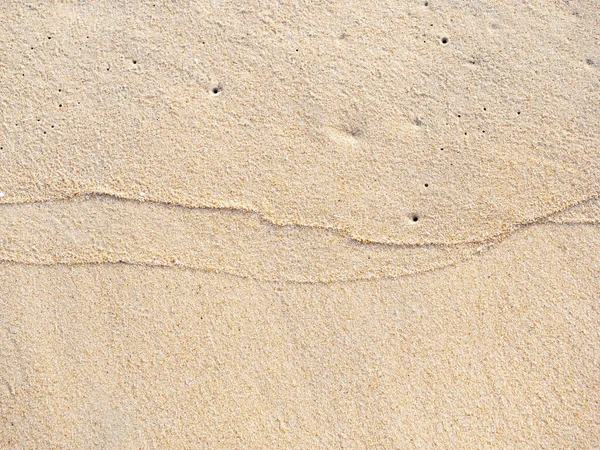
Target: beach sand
300	225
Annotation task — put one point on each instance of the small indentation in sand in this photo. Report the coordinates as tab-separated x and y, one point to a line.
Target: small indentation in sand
343	135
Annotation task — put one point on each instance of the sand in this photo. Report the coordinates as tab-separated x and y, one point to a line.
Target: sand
300	225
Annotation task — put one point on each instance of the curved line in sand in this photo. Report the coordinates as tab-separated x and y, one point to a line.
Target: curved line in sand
396	260
280	280
511	228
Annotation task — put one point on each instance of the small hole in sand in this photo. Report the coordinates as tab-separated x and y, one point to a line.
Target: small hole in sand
134	61
426	184
415	218
519	112
444	40
216	90
60	106
426	3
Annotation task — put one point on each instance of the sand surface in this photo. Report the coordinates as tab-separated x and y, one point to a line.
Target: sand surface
300	224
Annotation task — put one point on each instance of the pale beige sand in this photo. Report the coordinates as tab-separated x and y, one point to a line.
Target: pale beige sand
104	229
586	212
297	225
497	352
98	229
328	114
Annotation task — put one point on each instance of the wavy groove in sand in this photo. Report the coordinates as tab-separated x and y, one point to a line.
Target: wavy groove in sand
586	210
106	229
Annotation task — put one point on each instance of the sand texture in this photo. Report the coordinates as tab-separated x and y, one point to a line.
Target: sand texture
327	115
300	225
497	352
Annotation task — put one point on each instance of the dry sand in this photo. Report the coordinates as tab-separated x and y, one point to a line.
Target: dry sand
300	225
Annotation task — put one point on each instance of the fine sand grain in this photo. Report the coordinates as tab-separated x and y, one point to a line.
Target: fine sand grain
319	114
497	352
300	225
